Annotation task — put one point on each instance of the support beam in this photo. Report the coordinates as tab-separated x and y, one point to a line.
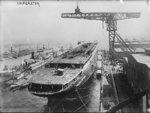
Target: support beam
110	18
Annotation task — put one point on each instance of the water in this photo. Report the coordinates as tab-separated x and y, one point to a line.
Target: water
23	101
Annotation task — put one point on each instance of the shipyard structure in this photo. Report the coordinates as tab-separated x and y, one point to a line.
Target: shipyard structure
127	74
65	72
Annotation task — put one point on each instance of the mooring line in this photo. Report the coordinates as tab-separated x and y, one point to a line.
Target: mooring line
80	107
63	109
80	97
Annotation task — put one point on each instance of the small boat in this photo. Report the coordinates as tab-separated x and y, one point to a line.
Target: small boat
65	72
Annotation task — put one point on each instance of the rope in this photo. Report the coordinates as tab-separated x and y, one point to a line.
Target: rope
57	104
63	109
80	107
80	97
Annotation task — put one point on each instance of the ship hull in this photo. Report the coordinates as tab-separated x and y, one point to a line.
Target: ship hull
83	77
55	95
65	92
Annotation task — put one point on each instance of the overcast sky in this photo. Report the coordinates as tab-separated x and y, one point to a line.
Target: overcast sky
34	24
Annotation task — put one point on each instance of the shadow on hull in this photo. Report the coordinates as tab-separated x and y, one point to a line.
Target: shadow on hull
67	92
71	100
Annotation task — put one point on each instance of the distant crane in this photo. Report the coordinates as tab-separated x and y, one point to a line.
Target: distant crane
110	18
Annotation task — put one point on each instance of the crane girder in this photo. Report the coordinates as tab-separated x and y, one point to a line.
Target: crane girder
103	16
110	18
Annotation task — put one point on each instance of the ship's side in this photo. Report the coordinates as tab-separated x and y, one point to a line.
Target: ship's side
65	72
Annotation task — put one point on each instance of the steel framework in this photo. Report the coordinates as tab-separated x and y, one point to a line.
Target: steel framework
110	19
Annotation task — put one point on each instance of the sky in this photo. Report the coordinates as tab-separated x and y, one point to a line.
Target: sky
34	24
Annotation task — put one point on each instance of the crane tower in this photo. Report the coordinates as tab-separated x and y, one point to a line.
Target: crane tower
110	19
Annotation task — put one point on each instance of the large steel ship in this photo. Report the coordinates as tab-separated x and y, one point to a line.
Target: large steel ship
65	72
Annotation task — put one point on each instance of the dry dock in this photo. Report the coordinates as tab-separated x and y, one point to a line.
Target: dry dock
23	101
89	98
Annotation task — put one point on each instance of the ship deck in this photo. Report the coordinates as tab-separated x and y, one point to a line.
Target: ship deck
47	76
74	60
70	63
79	55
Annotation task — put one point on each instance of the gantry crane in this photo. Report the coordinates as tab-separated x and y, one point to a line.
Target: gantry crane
110	18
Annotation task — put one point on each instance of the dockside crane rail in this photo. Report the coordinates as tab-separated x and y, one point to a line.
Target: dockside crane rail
110	19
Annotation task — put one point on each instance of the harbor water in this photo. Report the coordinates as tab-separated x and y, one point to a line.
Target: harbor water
87	99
